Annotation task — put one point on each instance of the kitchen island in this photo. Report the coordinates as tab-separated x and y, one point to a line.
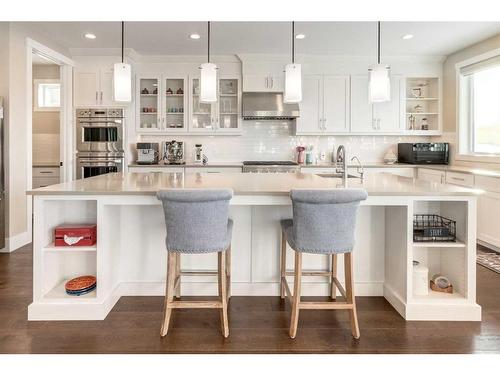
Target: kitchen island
129	258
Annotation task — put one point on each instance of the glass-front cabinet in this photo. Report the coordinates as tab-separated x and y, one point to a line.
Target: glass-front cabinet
148	104
161	104
222	116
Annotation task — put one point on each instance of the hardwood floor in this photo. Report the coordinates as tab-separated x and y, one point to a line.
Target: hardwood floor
257	325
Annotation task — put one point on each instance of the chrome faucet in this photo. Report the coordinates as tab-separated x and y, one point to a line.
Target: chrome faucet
359	168
340	163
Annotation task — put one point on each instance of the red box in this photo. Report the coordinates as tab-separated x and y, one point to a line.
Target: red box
75	235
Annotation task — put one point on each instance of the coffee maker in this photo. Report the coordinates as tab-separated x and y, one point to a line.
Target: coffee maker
147	153
173	152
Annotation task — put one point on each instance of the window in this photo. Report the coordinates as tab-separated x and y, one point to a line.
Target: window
47	95
479	107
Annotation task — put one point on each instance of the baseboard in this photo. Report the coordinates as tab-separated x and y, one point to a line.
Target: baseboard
16	242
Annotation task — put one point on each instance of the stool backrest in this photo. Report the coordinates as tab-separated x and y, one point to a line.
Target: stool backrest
324	220
196	220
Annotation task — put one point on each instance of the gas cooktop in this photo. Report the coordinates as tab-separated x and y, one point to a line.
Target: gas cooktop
273	162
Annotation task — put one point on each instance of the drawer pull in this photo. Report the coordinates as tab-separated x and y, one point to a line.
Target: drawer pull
46	172
458	179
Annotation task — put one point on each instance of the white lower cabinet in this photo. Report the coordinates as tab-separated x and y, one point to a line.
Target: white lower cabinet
488	208
45	176
460	179
432	175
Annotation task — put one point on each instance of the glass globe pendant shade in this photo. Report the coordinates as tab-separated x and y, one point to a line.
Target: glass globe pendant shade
208	83
379	84
122	82
293	83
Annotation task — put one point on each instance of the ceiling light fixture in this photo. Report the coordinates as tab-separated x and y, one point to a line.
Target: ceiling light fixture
408	36
195	36
90	36
208	77
300	36
122	77
379	83
293	77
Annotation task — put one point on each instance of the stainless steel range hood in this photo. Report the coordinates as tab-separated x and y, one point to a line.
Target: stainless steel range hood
268	106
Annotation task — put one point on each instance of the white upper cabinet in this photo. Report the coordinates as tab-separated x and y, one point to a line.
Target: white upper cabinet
335	104
385	117
311	109
93	86
324	107
263	77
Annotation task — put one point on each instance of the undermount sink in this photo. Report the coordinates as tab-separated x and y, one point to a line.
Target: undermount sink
335	175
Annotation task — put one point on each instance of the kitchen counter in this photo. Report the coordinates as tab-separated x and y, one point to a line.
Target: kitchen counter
233	164
383	184
129	257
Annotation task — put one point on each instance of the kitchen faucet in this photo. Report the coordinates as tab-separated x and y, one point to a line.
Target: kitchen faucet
359	169
340	163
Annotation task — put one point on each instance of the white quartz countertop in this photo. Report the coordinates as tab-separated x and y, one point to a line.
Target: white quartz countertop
382	184
229	164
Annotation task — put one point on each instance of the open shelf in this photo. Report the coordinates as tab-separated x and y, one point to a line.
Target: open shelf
59	292
421	113
440	298
146	95
439	244
174	95
421	99
69	249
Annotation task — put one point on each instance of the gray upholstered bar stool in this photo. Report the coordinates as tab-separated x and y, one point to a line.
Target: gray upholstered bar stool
323	223
197	222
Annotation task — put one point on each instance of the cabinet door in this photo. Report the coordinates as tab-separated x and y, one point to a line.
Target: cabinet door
310	120
387	115
106	93
203	115
86	87
175	103
336	104
431	175
361	108
488	226
227	118
256	83
148	107
276	82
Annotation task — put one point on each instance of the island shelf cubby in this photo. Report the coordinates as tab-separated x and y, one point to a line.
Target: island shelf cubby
58	264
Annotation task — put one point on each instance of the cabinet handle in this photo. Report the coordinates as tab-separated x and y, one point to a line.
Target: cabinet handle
272	82
46	172
96	97
324	124
101	97
458	179
378	124
267	82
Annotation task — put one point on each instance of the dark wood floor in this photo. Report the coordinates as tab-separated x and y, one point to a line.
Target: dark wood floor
257	325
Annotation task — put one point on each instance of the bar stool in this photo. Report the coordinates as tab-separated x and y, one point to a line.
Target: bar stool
323	223
197	222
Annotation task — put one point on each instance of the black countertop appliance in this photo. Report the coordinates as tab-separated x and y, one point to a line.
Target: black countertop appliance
423	153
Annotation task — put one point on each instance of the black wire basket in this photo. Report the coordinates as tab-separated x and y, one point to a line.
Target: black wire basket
433	228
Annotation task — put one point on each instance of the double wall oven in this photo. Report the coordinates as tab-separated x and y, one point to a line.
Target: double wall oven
99	141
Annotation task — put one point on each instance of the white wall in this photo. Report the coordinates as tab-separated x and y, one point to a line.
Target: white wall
16	136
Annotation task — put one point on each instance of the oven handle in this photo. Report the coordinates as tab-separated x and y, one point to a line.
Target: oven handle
99	124
90	161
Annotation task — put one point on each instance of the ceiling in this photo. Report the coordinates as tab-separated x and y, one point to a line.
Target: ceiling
322	38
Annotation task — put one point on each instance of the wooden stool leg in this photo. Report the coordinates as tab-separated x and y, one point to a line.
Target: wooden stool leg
296	294
178	275
349	283
333	287
228	271
223	292
169	292
282	264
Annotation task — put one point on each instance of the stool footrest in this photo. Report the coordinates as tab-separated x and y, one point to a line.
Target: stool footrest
199	273
326	305
310	273
195	305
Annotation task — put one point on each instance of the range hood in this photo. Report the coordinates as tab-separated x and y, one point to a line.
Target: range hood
268	106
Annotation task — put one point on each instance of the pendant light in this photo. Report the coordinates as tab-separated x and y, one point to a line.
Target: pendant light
208	78
122	78
293	77
379	83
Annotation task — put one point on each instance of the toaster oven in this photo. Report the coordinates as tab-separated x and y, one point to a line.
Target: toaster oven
423	153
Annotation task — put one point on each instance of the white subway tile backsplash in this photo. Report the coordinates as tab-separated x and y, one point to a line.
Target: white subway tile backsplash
274	140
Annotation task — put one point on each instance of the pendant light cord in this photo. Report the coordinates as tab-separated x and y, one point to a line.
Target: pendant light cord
293	42
209	41
123	43
378	43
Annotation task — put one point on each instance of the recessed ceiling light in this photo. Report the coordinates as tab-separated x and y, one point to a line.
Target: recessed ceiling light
195	36
407	36
90	36
300	36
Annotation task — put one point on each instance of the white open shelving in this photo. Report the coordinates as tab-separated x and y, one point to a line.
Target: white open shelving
69	249
59	293
422	102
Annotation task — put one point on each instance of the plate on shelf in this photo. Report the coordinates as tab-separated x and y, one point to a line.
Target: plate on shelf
80	283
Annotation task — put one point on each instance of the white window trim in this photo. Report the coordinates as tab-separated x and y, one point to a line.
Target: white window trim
36	108
461	137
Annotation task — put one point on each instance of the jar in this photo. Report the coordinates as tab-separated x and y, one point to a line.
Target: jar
420	279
